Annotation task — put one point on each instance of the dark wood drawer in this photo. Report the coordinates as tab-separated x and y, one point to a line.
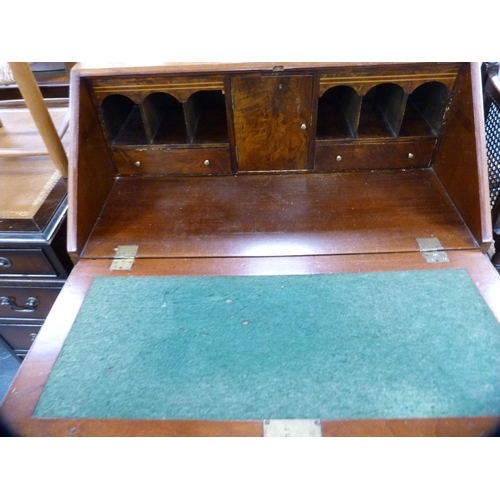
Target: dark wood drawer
173	161
373	156
19	337
27	302
25	262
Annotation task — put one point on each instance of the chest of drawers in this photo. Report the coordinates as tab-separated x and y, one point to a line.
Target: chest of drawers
34	265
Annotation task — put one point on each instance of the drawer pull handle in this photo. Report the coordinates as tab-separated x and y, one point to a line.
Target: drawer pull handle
30	306
4	262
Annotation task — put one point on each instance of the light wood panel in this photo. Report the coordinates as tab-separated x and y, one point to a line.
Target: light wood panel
25	184
19	130
34	100
28	175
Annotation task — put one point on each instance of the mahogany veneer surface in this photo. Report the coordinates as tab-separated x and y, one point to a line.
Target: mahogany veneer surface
277	215
268	115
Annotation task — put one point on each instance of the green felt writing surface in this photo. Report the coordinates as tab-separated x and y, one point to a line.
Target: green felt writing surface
370	345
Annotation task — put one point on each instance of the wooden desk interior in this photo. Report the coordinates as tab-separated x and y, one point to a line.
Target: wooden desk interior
277	215
268	169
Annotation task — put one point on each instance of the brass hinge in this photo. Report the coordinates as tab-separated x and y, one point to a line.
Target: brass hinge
292	428
124	258
432	250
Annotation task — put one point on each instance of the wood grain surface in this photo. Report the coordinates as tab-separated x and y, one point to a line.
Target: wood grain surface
92	171
268	115
172	161
372	156
273	215
460	161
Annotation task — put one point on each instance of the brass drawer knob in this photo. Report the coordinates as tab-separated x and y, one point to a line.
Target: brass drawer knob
137	163
411	156
4	262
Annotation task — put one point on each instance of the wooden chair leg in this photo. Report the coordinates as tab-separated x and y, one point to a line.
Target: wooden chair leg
34	100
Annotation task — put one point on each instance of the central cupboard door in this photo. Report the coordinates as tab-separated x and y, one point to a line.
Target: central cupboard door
272	118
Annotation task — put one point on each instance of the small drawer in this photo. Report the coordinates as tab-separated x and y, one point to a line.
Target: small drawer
25	262
173	161
27	303
19	337
373	156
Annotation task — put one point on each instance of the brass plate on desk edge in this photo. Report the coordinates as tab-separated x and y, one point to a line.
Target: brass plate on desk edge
292	428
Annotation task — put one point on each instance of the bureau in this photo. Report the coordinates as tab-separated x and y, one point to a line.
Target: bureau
266	169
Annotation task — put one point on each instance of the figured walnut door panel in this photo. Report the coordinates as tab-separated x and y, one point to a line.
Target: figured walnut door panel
272	118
